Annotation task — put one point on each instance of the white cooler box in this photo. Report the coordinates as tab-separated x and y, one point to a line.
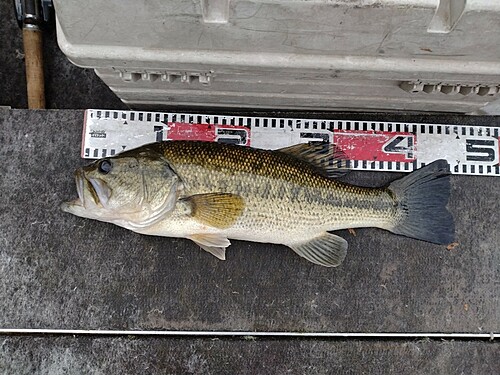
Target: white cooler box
410	55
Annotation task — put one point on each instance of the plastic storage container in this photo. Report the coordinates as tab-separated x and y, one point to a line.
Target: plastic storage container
418	55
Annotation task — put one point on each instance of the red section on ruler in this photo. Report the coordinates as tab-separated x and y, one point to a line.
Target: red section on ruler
376	145
180	131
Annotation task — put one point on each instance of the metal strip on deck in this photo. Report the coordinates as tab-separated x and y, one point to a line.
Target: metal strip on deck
357	335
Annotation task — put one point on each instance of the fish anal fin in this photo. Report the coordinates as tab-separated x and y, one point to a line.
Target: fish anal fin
327	250
218	210
212	243
327	157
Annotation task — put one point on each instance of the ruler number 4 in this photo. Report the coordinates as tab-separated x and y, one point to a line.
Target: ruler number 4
401	144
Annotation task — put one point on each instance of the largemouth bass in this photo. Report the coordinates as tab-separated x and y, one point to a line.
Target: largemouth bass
212	192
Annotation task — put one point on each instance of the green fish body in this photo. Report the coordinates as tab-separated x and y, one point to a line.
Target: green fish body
211	192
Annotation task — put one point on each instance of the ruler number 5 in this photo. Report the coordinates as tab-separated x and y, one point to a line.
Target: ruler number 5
481	150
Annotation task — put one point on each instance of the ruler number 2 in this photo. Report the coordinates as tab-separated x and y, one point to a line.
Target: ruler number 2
232	136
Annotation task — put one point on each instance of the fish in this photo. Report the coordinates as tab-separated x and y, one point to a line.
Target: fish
212	192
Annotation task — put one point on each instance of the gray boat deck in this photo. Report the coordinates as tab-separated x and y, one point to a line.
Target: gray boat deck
63	272
130	355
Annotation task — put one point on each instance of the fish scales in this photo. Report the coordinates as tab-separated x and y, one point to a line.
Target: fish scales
280	191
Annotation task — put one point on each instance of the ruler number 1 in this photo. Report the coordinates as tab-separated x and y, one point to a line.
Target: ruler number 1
159	133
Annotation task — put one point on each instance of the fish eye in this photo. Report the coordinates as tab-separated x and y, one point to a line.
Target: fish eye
105	166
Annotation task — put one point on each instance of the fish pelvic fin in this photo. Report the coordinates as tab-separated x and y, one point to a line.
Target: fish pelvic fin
328	250
218	210
422	197
328	158
212	243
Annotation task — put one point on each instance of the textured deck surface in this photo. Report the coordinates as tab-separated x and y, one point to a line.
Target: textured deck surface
61	271
129	355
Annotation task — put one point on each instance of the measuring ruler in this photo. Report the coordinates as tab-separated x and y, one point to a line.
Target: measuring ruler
369	145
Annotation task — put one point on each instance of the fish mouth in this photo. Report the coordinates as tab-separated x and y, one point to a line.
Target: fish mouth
97	189
100	191
80	182
77	204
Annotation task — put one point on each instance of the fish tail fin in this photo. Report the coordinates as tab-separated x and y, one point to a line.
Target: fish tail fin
422	197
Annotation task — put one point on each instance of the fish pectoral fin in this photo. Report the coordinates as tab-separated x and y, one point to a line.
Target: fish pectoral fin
330	160
218	210
327	250
212	243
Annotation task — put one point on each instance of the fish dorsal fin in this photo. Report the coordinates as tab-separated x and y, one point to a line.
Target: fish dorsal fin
327	250
218	210
212	243
327	157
